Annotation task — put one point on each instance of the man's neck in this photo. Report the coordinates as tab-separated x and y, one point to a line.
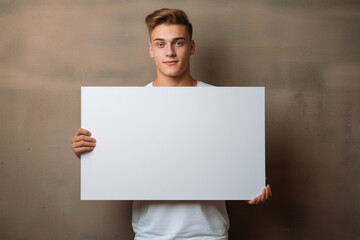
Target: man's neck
175	82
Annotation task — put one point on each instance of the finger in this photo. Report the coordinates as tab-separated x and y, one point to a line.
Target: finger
267	194
83	138
261	199
82	150
252	201
263	194
82	131
82	144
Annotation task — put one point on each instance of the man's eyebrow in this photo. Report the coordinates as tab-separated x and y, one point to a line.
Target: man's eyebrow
179	38
158	39
175	39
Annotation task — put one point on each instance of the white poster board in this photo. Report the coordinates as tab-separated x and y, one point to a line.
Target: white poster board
173	143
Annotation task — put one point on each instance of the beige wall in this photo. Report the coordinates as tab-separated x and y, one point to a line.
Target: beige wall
306	54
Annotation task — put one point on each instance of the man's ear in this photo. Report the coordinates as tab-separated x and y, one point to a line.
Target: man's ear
151	50
192	48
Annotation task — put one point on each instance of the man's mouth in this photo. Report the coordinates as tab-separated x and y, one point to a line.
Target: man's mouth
170	63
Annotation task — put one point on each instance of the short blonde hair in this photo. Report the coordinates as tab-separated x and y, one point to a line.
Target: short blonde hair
168	16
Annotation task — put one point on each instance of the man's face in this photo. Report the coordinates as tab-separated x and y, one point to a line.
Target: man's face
171	48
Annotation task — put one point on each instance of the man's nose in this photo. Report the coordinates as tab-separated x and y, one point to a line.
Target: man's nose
170	52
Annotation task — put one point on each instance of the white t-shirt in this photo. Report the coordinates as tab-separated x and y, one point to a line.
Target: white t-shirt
199	84
190	220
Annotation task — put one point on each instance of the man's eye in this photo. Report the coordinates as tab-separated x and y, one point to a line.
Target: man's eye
179	43
159	44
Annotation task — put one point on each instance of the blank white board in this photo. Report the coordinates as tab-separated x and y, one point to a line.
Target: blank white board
173	143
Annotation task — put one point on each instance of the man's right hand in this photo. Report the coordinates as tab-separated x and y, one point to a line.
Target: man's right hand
82	142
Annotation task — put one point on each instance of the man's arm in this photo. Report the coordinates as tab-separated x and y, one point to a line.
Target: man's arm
82	142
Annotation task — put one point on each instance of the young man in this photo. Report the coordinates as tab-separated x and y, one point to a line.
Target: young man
171	46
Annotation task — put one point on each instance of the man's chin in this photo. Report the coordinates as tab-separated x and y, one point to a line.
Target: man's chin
172	74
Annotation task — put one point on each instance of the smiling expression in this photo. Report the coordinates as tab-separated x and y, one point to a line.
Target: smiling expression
171	48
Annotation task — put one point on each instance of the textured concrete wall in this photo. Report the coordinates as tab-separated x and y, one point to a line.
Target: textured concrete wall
306	53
